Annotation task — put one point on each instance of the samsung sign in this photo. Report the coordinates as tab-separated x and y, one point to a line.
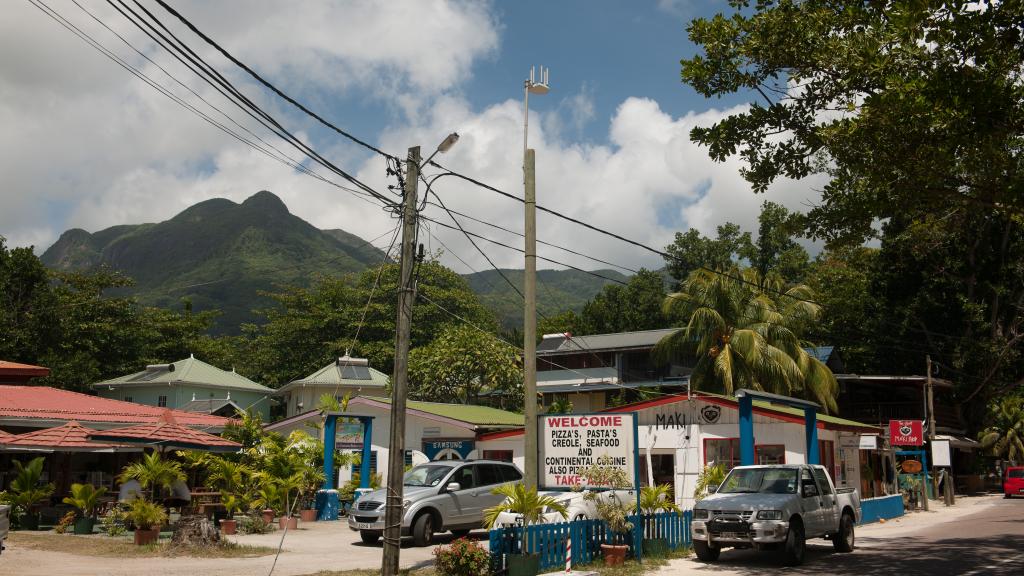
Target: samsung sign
448	449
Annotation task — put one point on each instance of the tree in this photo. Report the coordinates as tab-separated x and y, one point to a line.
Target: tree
635	306
842	278
461	363
693	251
1004	437
907	108
776	251
153	472
744	332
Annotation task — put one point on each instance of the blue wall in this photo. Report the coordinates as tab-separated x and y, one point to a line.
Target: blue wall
884	507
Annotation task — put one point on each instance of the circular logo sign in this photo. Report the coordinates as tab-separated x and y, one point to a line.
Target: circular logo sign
710	413
906	430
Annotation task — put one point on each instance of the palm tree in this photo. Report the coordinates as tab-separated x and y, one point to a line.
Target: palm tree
154	472
744	331
525	501
657	498
1005	437
226	474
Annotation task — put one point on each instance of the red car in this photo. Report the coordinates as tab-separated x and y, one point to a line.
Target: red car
1013	482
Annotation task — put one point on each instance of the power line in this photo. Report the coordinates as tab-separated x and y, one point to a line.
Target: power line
266	83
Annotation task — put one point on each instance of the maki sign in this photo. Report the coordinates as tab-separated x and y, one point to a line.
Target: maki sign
906	432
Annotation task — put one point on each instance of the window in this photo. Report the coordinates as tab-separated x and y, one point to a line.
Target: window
819	475
373	462
724	451
499	455
127	398
807	480
488	474
161	401
464	476
510	473
770	454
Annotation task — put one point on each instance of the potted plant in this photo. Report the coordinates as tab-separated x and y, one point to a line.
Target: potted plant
26	492
268	499
85	497
312	480
610	508
147	518
654	499
530	506
288	486
232	504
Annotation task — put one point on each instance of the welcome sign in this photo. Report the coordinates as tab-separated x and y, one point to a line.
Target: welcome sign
570	443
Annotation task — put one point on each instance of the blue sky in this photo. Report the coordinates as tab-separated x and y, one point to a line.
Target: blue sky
87	145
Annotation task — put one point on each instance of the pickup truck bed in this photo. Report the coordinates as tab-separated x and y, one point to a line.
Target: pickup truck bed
775	507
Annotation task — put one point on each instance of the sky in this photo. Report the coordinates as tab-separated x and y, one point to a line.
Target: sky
85	144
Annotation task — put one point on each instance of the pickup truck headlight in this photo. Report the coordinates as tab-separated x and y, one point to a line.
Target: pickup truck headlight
769	515
700	514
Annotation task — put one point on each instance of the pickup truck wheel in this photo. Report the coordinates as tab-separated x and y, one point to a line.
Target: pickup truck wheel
795	546
369	537
706	552
423	530
842	541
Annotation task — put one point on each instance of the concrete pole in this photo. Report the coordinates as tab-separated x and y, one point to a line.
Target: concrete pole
399	383
530	324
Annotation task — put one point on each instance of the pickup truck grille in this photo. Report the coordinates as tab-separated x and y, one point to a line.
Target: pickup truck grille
734	515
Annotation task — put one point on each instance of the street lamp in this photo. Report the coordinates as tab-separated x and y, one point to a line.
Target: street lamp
535	86
443	147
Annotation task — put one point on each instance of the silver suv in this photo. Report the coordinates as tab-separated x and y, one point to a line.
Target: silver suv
445	495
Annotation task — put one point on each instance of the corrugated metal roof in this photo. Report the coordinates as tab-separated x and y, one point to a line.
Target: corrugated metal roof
166	431
468	413
208	406
187	371
596	342
345	375
34	403
599	386
599	374
70	436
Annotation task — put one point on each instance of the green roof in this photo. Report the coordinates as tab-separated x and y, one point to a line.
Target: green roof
340	374
469	413
187	371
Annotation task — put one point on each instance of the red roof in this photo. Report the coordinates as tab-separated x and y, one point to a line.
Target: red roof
69	436
166	431
42	403
16	372
4	436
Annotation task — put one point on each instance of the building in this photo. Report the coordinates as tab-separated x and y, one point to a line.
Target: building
595	371
20	374
343	377
683	434
177	384
433	430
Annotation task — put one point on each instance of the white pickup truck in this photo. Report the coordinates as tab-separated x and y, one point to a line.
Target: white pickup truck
5	524
775	507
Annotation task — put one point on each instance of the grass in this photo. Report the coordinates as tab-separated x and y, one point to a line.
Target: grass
122	547
632	567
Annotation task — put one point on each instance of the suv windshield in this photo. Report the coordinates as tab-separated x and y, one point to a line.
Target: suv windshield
762	480
426	475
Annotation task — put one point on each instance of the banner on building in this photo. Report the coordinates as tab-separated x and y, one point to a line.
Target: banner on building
448	449
906	433
570	443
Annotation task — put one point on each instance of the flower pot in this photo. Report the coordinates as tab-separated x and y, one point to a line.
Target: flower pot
228	526
614	555
523	564
291	522
143	537
84	525
308	515
655	547
268	516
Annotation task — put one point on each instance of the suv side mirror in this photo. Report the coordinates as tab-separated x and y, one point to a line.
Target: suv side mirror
453	487
810	490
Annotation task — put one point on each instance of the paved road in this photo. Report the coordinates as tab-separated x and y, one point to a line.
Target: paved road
990	541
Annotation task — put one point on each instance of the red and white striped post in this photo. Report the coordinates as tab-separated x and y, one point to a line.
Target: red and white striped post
568	555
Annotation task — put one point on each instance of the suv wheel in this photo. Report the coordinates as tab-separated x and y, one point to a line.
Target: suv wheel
423	529
369	537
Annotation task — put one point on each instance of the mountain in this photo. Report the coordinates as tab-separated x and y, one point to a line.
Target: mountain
557	291
221	255
218	253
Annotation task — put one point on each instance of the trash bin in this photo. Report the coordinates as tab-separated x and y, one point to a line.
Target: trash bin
326	505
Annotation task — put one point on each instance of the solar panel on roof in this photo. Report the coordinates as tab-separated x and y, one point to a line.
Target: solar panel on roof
550	344
355	372
148	375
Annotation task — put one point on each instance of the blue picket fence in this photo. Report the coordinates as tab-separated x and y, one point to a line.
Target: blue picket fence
550	540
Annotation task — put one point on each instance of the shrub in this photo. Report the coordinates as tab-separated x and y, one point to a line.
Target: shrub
462	558
253	524
146	515
113	522
66	521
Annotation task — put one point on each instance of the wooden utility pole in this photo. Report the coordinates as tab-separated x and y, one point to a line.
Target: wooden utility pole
931	429
400	381
530	325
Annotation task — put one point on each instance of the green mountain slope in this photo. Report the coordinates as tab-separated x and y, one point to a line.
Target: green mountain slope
218	253
557	291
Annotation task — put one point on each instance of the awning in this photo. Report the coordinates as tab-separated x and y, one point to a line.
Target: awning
961	442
